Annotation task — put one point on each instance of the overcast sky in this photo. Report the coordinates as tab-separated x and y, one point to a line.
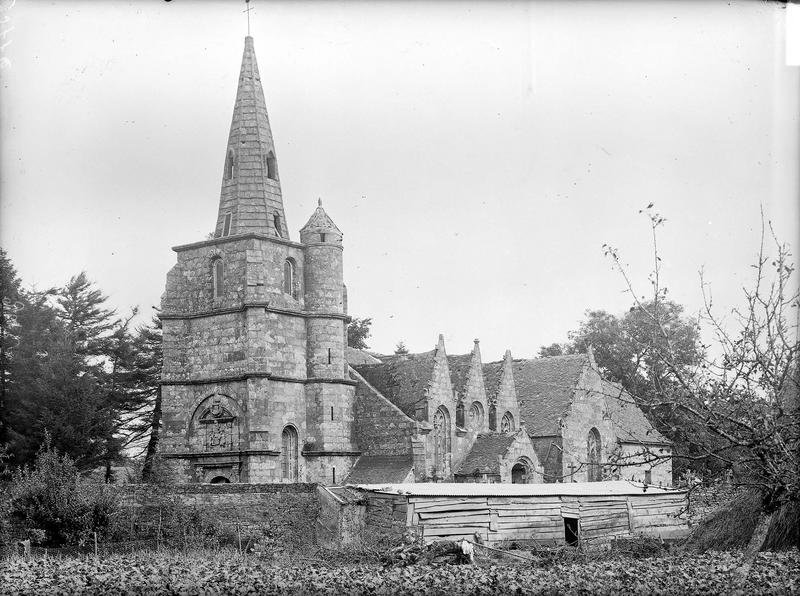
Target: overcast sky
475	155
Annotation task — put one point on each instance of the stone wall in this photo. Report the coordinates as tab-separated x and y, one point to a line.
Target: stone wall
286	512
588	410
548	449
385	518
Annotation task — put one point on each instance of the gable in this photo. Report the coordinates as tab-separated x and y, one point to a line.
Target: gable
630	423
484	457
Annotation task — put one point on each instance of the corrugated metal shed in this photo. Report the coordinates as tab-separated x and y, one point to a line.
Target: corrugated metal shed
445	489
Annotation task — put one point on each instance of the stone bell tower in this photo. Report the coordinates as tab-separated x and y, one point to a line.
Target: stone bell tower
255	385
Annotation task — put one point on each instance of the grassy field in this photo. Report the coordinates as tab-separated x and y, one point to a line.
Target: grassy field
227	572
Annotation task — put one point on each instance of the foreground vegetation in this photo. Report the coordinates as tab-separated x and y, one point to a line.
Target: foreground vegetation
230	573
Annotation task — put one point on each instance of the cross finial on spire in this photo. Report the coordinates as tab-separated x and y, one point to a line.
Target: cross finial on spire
319	201
247	10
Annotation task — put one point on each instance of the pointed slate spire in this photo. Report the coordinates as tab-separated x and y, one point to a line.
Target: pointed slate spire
250	200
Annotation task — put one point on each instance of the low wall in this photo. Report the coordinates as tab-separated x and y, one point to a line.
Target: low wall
280	512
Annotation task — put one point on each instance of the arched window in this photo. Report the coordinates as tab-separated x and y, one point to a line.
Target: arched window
460	415
289	279
595	472
229	159
492	417
218	273
289	454
507	423
476	416
441	442
272	166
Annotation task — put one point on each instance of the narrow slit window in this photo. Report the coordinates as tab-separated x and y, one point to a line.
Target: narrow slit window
329	355
276	220
322	237
331	413
272	166
226	227
219	278
334	475
229	165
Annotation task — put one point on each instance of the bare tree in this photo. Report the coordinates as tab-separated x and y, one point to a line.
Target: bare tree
738	404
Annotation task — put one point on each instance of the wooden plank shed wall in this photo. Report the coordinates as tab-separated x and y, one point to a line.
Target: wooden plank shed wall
498	519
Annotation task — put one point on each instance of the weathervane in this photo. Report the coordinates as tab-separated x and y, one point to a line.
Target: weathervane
247	10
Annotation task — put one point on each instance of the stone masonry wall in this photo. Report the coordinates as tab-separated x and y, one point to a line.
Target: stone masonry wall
284	511
548	450
588	410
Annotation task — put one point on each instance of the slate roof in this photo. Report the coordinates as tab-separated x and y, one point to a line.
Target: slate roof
355	356
492	375
484	456
459	371
630	423
372	469
400	379
545	387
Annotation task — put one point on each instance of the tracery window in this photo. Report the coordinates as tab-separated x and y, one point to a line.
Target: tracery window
507	423
593	452
476	416
441	441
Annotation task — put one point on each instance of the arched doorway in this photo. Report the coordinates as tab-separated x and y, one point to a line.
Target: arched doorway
519	474
220	480
441	442
289	454
595	469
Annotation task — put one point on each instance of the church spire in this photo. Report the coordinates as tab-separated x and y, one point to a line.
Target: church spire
250	200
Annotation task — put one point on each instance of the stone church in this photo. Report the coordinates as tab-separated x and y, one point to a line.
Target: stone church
259	385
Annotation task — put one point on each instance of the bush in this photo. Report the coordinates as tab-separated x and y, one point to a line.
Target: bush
52	497
731	526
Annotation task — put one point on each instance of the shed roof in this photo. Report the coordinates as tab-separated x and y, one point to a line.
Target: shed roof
470	489
545	387
630	423
400	379
484	457
380	468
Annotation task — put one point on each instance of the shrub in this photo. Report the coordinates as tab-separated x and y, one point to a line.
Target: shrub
731	526
53	498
